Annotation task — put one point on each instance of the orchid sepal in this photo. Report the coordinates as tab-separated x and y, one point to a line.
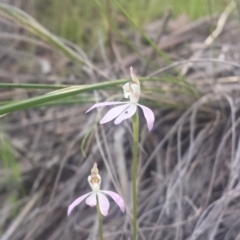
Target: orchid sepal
104	204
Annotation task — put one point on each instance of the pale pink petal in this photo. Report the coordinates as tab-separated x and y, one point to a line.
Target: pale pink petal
92	200
103	204
129	112
76	202
149	115
116	198
102	104
113	113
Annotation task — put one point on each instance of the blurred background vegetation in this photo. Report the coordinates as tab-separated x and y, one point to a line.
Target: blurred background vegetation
80	21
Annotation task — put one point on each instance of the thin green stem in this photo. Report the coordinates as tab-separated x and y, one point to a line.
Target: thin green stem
100	221
135	126
56	95
33	86
125	39
152	43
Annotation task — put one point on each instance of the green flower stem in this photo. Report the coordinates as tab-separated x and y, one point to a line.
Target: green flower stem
100	221
135	126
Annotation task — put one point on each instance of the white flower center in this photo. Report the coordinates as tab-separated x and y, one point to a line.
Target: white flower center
132	91
94	182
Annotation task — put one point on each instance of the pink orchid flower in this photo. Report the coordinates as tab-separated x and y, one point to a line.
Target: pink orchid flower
127	109
94	181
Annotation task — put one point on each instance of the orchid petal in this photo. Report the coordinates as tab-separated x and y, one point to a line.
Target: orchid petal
119	201
103	203
102	104
92	200
129	112
113	113
149	115
76	202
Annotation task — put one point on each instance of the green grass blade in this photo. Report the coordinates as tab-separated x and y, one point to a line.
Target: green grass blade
32	86
70	91
113	25
153	44
29	23
56	95
7	159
